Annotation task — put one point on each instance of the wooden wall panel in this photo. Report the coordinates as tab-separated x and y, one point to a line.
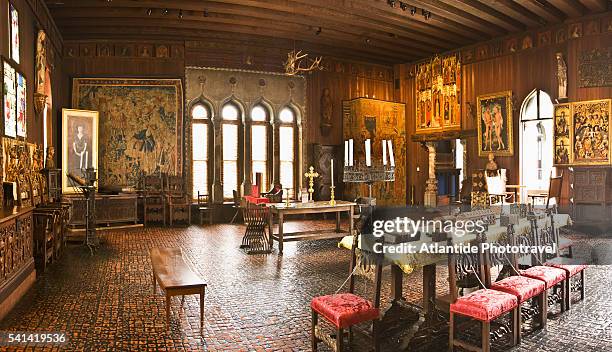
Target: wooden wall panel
521	72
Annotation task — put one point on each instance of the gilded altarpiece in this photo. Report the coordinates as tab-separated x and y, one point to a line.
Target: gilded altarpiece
582	133
438	102
377	120
141	126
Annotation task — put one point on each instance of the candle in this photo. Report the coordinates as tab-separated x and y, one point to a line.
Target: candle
368	152
346	153
332	172
384	145
391	153
351	152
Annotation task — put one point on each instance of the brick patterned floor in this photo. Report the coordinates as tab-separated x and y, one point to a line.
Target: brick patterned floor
254	303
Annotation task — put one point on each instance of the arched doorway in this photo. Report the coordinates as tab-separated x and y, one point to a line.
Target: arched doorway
536	142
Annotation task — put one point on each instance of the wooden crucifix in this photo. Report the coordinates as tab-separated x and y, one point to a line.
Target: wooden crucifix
311	174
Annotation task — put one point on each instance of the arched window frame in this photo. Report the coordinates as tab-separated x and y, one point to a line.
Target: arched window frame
295	124
208	121
267	123
239	123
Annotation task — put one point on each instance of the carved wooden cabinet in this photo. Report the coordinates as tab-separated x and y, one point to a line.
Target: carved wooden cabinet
16	255
110	209
591	194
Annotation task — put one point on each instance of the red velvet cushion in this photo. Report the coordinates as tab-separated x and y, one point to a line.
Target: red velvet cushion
571	269
551	276
344	309
484	305
520	286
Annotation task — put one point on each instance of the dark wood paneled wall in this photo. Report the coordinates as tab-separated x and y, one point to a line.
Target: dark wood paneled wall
521	72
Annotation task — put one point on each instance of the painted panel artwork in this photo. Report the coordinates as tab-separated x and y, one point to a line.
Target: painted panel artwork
591	132
79	144
563	146
438	95
495	124
21	106
377	120
14	29
10	100
141	124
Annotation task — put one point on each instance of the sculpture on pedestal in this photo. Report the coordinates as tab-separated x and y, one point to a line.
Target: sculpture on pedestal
431	190
561	76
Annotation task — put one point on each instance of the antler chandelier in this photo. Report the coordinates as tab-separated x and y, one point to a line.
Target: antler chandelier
295	60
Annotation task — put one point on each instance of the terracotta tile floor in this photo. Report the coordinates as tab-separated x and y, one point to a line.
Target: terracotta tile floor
254	303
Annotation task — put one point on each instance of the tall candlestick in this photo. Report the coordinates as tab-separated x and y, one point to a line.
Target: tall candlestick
351	152
392	158
346	153
384	145
332	172
368	153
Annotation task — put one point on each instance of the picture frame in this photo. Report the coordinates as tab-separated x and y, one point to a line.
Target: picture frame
563	151
591	132
14	47
494	120
21	107
9	99
79	144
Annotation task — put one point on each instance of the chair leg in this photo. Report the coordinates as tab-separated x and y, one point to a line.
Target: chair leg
486	336
516	328
451	333
350	337
339	340
234	218
543	304
582	287
568	293
313	337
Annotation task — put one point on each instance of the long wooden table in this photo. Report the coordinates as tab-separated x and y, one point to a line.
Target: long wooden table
176	278
282	209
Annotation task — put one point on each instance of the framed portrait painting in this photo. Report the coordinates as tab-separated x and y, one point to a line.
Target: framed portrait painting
79	144
591	132
495	124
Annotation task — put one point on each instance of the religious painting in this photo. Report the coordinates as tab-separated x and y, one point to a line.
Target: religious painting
377	120
591	132
9	93
438	105
495	124
79	144
14	32
21	106
141	126
562	144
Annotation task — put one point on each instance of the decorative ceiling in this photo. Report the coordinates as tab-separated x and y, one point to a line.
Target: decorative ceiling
378	31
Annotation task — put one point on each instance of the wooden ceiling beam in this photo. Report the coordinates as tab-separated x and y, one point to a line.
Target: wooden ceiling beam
147	32
543	9
514	9
386	40
256	28
487	13
572	8
596	5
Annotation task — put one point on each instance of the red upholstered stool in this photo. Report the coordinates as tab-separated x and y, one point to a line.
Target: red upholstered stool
342	311
483	305
551	277
571	272
524	288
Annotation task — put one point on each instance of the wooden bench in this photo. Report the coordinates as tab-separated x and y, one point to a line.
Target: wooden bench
176	278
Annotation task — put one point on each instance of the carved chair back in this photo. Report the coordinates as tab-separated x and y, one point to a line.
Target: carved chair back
554	189
525	240
547	235
203	200
175	185
465	270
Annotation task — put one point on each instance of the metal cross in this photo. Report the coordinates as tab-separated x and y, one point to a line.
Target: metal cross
311	174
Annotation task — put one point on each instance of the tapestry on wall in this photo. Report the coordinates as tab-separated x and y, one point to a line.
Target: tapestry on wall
141	126
582	133
438	88
377	120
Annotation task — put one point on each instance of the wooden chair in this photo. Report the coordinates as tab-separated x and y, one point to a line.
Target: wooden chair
256	221
45	225
236	206
530	293
275	195
554	191
179	206
554	278
575	272
205	207
154	200
345	310
483	306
